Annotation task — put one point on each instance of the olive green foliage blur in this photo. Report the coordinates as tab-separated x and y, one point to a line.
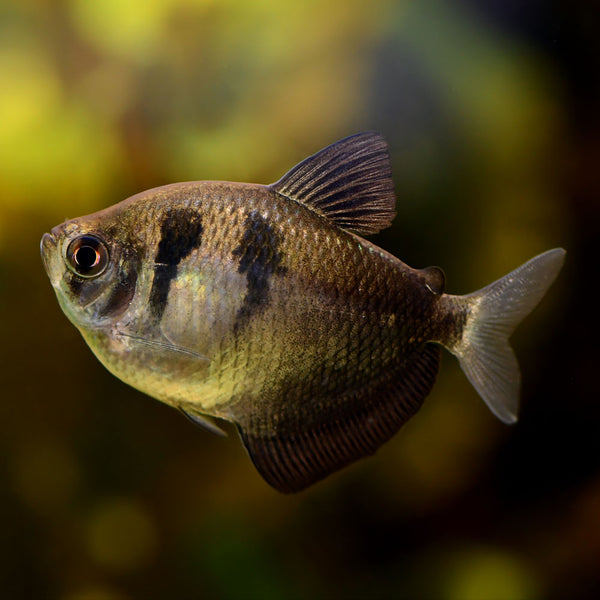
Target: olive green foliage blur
104	493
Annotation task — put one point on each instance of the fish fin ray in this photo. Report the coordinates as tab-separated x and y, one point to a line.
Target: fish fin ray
349	182
203	421
293	453
495	311
161	345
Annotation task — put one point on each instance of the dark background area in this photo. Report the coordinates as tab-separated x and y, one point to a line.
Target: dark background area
492	113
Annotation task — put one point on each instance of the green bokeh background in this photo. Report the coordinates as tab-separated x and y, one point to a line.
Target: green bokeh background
492	113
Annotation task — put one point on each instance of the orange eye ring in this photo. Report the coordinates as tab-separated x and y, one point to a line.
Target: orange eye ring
87	256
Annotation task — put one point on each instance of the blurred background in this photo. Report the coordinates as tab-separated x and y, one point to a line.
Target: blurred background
491	109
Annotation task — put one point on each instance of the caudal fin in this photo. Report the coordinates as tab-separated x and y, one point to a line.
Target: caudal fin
492	315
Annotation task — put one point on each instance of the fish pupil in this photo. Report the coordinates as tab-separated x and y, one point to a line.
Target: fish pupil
87	257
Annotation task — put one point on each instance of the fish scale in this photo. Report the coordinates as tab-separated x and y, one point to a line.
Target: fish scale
261	305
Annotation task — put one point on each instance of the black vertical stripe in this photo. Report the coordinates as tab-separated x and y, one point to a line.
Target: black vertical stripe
180	234
260	256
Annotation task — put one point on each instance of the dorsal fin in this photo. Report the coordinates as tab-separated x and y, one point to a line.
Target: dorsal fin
349	182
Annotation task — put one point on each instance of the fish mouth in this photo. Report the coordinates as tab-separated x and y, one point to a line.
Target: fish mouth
48	247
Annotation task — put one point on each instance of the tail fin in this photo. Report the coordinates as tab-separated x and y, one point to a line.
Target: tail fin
493	314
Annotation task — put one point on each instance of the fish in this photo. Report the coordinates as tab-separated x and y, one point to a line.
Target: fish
264	306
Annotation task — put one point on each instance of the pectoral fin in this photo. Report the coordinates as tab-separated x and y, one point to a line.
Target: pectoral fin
204	422
161	346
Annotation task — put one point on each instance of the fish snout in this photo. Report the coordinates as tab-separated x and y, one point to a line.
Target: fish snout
48	247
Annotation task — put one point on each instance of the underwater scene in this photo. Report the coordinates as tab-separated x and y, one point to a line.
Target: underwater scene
284	305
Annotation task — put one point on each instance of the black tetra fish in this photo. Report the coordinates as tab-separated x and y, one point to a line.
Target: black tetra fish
262	306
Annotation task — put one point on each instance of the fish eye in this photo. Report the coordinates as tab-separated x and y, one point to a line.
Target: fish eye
87	256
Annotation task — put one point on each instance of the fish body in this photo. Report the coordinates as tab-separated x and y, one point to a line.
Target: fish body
261	305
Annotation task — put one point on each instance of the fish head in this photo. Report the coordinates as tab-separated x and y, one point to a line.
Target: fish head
93	267
103	268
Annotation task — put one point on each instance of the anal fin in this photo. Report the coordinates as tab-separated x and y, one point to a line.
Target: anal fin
296	453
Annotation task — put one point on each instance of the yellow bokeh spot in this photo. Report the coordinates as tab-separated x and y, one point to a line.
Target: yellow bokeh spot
121	535
133	30
30	89
45	475
489	574
96	593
